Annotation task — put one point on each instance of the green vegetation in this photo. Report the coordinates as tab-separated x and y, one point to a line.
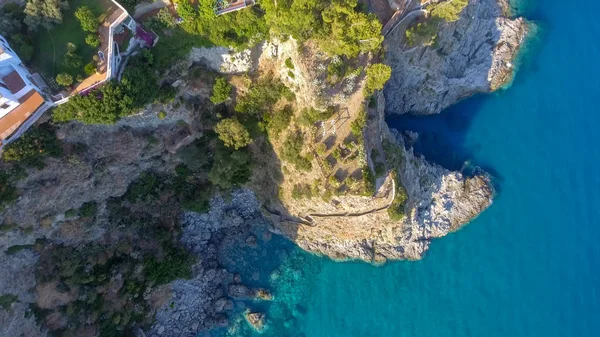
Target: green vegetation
64	79
7	300
44	13
221	91
51	45
262	95
233	133
112	101
162	115
34	146
292	149
279	120
88	209
177	264
289	63
92	40
13	29
310	116
16	248
369	181
423	33
338	25
448	11
90	69
87	19
304	191
238	29
377	75
359	124
230	168
396	210
8	191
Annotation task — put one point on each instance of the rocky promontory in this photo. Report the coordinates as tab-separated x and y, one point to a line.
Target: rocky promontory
474	54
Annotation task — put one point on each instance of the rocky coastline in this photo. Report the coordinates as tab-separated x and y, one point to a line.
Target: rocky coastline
474	54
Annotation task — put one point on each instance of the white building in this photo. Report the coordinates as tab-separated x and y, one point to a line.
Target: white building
21	99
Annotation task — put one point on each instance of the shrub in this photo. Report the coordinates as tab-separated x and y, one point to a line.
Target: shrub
321	149
44	13
162	115
291	152
144	188
449	10
302	191
176	264
93	40
64	79
7	300
396	210
88	209
90	69
262	96
233	133
8	192
279	120
33	146
221	91
289	63
377	75
369	181
87	19
72	60
16	248
310	116
359	124
230	168
291	74
424	33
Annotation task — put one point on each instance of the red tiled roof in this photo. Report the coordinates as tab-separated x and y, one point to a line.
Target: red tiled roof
14	82
9	123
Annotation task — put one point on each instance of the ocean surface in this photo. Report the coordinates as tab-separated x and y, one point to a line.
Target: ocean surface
529	265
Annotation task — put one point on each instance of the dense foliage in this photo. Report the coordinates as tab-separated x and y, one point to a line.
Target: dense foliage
12	28
112	101
8	191
230	168
262	95
87	19
221	90
64	79
233	133
377	75
44	13
34	146
292	151
238	29
338	25
448	11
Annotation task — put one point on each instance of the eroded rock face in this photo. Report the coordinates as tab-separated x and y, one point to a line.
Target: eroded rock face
472	55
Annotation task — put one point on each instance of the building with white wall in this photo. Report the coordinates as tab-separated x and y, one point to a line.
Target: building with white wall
21	98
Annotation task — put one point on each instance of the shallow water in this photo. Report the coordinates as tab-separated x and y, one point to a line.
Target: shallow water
528	266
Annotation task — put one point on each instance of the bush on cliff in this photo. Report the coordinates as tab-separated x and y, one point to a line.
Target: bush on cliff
233	133
34	146
292	149
377	75
448	10
221	91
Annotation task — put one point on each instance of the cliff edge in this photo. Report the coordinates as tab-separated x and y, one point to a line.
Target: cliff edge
473	54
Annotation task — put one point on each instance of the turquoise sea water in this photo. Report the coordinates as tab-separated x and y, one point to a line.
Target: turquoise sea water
528	266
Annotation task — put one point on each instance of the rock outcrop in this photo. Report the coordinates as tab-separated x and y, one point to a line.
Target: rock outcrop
472	55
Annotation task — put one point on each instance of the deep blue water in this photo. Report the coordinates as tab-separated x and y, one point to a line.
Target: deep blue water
529	265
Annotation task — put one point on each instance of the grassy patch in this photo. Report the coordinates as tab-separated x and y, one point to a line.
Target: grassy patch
51	45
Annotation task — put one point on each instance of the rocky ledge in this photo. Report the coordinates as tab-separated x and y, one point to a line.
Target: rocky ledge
472	55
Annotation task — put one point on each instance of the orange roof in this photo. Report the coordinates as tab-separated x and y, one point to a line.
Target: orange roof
9	123
14	82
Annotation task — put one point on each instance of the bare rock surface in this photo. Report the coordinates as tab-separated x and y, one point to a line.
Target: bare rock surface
472	55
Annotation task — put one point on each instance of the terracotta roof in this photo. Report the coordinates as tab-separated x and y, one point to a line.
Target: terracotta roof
14	82
9	123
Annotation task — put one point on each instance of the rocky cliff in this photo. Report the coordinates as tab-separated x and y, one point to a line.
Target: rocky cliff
472	55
